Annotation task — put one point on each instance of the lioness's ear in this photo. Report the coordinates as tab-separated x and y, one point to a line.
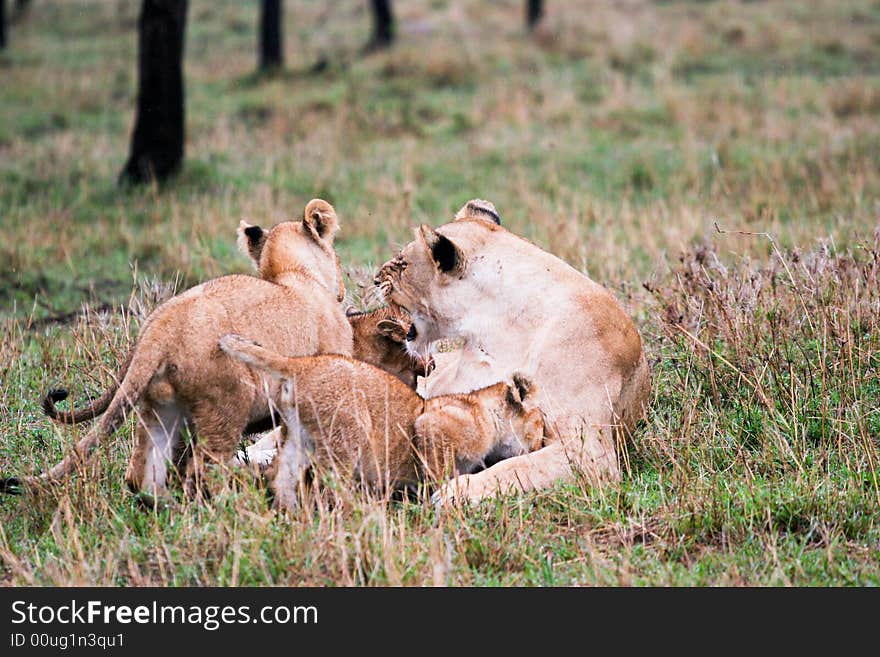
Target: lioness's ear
523	384
445	254
479	209
519	390
320	220
392	329
251	240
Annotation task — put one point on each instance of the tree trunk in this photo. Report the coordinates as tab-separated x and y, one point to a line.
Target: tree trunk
2	24
21	7
271	35
383	25
157	140
534	12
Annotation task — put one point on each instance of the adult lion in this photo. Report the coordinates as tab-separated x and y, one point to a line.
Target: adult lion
517	308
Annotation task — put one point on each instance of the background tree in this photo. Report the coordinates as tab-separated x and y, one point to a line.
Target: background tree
21	7
271	35
383	21
158	136
19	10
534	12
2	24
383	25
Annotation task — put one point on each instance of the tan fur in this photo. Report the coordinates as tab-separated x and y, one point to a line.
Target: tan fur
516	307
479	209
357	420
179	377
379	337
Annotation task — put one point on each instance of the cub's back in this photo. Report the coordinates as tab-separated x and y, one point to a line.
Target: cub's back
335	383
295	321
357	414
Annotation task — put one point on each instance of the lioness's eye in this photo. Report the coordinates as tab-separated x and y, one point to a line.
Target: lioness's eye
411	334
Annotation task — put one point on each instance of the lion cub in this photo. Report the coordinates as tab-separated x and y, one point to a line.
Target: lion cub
177	375
356	419
380	337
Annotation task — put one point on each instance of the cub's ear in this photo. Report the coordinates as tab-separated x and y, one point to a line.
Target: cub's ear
479	209
448	257
519	390
392	329
320	220
251	240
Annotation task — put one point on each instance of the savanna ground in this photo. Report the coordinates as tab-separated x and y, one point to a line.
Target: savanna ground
617	137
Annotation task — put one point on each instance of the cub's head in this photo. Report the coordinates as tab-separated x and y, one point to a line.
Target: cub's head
297	248
476	430
518	422
382	337
444	274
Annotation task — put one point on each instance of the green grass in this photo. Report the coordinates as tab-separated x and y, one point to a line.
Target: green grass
614	137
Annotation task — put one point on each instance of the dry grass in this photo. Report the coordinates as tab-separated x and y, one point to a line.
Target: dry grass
617	137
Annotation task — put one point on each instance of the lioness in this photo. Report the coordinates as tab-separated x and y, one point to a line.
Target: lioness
355	418
178	375
517	308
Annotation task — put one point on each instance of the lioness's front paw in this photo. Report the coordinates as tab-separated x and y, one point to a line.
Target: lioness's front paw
454	491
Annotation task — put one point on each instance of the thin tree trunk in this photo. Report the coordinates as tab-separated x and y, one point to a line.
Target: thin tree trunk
271	35
534	12
157	140
21	7
383	25
2	24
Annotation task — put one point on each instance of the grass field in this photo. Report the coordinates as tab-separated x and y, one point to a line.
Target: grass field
716	164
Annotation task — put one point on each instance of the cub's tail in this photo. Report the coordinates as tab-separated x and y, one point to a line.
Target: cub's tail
89	413
253	354
145	361
79	415
11	486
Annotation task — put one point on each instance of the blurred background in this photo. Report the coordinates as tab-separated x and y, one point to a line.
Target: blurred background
612	132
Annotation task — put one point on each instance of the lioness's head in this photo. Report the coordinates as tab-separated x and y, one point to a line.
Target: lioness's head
439	276
382	338
297	247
